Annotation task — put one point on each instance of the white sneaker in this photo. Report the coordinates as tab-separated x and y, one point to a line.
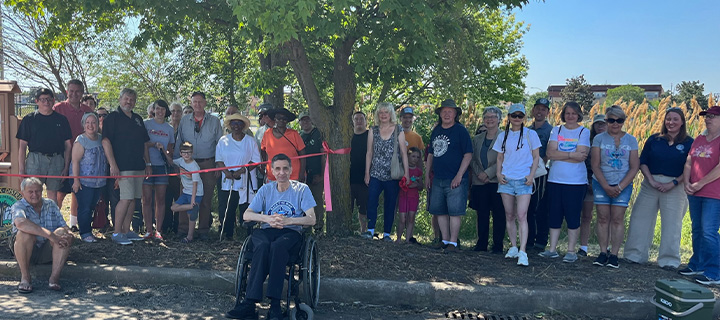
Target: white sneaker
512	253
522	259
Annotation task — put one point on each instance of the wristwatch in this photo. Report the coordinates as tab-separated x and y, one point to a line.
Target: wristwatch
148	164
675	182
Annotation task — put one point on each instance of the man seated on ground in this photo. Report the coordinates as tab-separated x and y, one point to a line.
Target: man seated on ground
35	221
282	207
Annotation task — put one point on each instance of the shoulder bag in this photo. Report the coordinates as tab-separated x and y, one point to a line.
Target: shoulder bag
396	168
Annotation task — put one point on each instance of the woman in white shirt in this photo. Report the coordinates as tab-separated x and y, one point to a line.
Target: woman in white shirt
568	147
237	187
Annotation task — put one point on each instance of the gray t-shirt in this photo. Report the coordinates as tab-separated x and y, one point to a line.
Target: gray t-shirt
614	161
159	132
292	202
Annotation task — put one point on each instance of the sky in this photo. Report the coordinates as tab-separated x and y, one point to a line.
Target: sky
622	42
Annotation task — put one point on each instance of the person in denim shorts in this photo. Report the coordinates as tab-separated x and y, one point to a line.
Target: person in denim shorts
160	147
615	162
518	157
449	156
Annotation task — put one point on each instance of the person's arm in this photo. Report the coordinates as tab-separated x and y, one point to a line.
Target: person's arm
107	147
403	153
530	179
22	155
29	227
648	176
599	176
77	154
428	168
302	173
499	163
169	152
67	155
194	192
577	156
686	175
634	163
368	157
146	158
713	175
461	172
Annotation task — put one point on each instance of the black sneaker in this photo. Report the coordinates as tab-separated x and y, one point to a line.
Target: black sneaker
601	260
701	279
689	272
413	240
582	252
479	247
244	310
613	262
275	314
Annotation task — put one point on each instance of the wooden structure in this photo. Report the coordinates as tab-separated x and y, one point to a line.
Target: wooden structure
8	128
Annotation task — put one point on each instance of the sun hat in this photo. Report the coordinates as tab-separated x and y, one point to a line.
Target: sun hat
448	103
237	116
273	112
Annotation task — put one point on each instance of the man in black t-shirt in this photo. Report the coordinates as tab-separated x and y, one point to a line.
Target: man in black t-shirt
125	131
46	134
314	166
358	188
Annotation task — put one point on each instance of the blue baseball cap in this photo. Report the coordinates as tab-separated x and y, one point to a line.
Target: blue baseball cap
516	107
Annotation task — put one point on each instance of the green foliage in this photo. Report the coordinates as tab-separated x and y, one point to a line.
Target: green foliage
627	92
529	100
687	90
578	89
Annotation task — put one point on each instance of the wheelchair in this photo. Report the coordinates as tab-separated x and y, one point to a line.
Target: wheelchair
303	277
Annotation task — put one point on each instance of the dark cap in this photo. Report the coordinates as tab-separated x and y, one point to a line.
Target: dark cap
448	103
542	101
264	108
407	110
713	110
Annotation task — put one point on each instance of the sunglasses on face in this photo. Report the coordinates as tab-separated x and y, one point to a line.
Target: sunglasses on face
197	126
281	119
517	116
619	121
102	115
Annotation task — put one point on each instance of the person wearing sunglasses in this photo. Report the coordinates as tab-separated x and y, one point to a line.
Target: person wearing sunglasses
518	157
700	178
203	131
615	162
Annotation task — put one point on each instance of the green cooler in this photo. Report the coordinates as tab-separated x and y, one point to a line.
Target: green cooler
678	299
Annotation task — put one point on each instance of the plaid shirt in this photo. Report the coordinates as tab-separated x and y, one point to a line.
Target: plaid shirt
49	218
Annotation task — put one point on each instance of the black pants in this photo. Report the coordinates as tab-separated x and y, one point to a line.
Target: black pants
537	215
485	198
272	249
227	224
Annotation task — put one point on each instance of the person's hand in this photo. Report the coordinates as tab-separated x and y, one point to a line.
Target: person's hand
501	178
367	179
76	186
148	171
277	221
483	177
610	191
217	174
159	146
529	180
579	156
62	241
193	203
654	183
114	171
117	184
455	182
693	187
665	187
64	173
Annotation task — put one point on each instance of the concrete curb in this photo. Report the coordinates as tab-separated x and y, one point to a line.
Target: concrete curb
381	292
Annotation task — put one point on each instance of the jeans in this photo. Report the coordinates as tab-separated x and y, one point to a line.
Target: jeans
87	199
705	217
391	188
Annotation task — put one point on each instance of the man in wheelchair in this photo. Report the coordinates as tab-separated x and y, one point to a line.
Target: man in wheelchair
281	207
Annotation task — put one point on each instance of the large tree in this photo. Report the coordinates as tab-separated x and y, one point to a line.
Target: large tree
627	93
578	89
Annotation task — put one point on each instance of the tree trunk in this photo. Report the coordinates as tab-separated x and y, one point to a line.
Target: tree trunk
333	121
267	63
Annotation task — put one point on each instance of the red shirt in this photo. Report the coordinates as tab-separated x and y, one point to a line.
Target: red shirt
290	147
705	157
73	115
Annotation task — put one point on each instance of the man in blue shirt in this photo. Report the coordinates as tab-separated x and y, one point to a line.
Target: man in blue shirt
281	207
449	156
35	221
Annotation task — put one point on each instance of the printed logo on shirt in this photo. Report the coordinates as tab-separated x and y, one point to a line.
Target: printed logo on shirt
284	208
680	148
139	122
703	152
440	145
158	133
567	144
615	154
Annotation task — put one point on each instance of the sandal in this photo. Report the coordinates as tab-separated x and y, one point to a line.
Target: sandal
89	239
185	240
158	236
25	288
54	287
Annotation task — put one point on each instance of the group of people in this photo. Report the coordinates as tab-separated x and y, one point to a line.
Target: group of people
532	179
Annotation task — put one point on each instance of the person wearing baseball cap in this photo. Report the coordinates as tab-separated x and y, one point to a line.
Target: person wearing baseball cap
518	157
314	166
537	215
264	121
449	156
412	139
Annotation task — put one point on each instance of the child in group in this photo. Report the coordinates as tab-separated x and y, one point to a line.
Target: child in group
517	159
192	192
410	197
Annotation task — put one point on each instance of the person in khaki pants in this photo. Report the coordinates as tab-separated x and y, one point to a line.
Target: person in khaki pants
661	163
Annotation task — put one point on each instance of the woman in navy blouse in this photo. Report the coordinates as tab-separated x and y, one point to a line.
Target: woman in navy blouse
661	162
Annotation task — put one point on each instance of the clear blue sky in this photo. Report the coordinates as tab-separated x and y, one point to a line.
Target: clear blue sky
622	41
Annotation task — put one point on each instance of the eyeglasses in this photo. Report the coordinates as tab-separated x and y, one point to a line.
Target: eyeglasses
710	116
517	116
619	121
278	118
197	126
185	152
46	99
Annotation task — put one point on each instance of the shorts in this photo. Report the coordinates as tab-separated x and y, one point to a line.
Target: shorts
359	196
600	197
447	201
157	180
131	188
408	202
515	187
40	255
186	199
40	164
565	201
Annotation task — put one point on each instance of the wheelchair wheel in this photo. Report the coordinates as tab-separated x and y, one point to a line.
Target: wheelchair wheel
311	274
301	312
242	270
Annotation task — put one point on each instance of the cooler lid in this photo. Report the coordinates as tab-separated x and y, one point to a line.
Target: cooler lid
683	290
